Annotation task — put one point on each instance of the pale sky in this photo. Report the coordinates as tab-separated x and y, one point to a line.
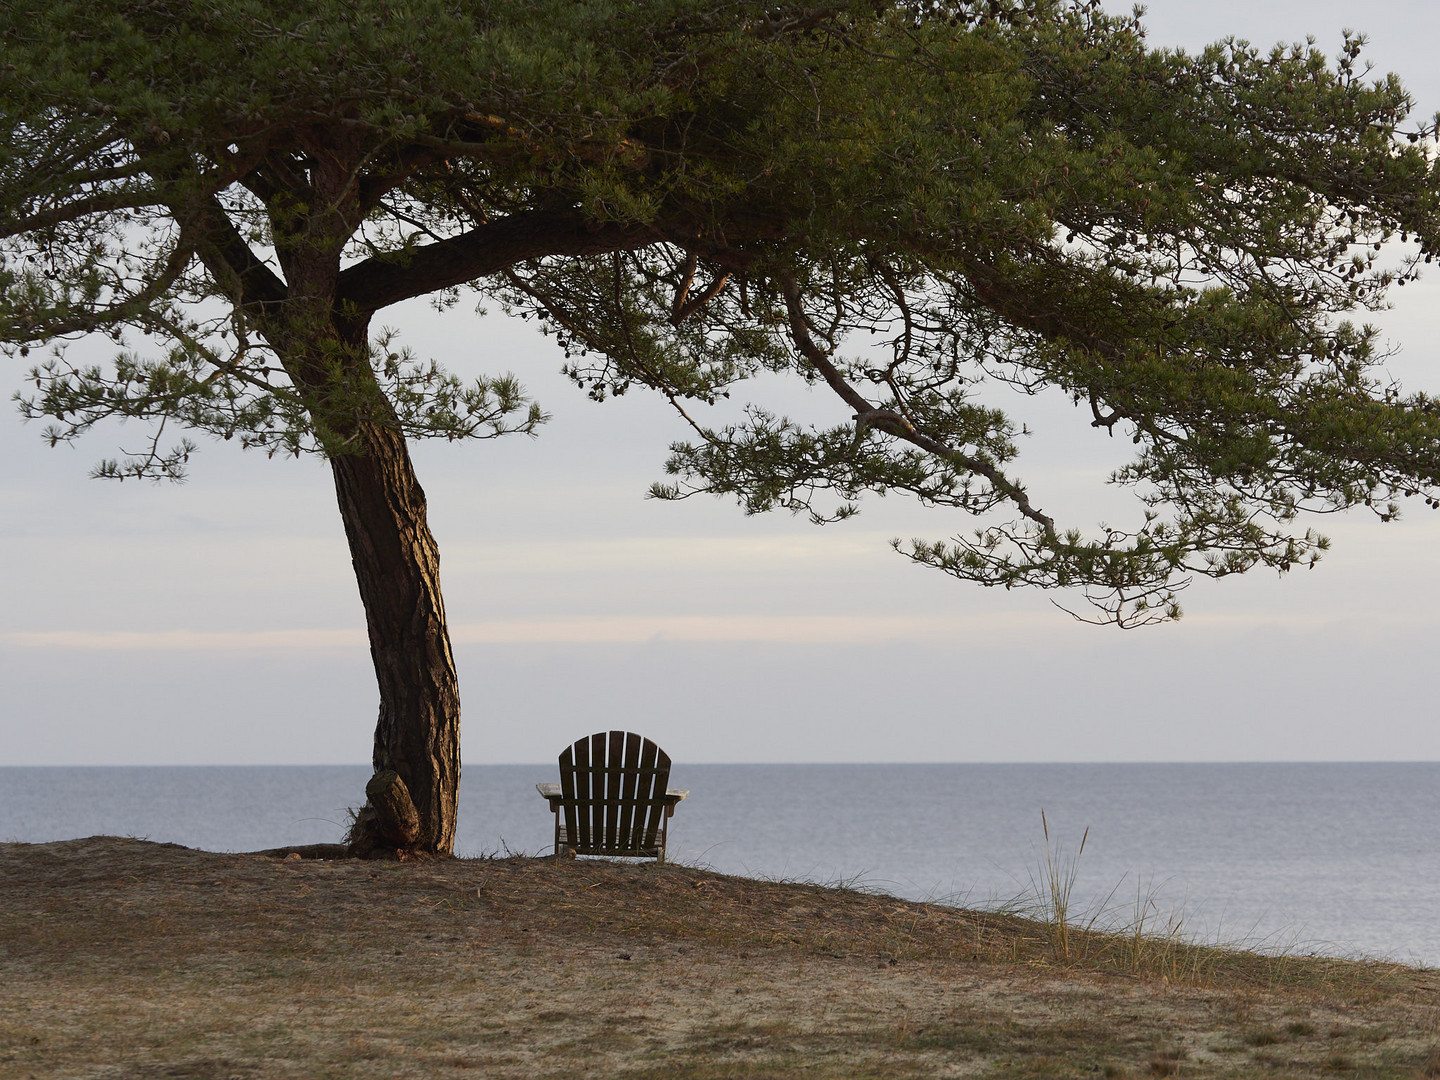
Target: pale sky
217	622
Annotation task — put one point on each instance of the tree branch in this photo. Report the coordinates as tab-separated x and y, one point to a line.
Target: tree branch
891	422
686	304
80	208
383	280
228	257
136	307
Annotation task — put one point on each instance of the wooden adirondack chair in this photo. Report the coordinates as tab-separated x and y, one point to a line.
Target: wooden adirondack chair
612	798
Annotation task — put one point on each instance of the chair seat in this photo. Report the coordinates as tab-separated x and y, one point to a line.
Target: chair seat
619	850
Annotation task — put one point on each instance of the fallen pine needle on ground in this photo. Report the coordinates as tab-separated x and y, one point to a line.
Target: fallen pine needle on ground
124	959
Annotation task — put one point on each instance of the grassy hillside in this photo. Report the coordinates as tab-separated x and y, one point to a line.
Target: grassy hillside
122	958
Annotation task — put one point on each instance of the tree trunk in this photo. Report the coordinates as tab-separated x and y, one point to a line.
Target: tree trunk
397	566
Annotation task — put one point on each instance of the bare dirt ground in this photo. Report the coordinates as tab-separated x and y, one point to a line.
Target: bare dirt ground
125	959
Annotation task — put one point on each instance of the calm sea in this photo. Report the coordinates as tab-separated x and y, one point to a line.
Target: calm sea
1332	858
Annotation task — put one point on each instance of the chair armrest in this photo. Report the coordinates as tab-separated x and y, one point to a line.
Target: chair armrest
674	796
551	792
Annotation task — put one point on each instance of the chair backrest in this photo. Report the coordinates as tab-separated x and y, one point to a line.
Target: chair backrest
613	786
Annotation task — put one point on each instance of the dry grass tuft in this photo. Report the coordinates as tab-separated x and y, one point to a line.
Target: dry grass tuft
1167	1062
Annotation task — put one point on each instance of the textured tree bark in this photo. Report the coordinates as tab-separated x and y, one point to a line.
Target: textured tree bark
397	566
390	799
323	343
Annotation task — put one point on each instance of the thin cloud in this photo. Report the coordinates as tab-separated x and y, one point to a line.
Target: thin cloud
778	629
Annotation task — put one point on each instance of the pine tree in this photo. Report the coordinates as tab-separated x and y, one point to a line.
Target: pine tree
897	201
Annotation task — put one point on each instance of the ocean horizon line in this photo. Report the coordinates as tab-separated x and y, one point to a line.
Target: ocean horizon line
549	763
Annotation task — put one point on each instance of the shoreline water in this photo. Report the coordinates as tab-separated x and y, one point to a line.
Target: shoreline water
1334	858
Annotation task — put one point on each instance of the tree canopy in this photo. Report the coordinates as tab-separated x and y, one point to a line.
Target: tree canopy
900	202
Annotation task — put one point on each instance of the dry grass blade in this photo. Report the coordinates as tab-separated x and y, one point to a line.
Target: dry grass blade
1052	887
